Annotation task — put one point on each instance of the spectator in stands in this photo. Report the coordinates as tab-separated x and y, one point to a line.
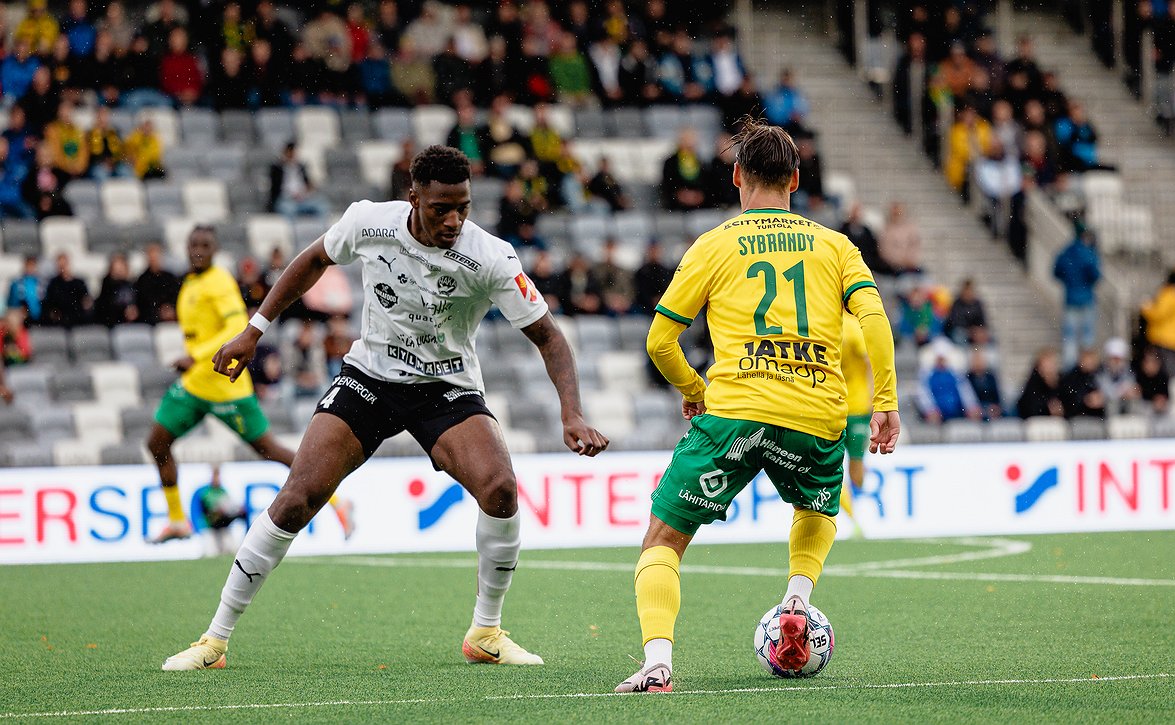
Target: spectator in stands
862	237
605	56
375	78
267	26
571	73
336	344
1153	381
38	28
578	289
116	300
1040	171
944	394
606	187
306	76
724	64
985	385
41	103
25	290
142	84
159	30
106	73
811	172
1078	268
453	73
16	348
638	75
1164	50
1159	314
900	244
430	31
920	321
469	36
68	71
508	148
471	137
252	282
412	73
156	289
546	143
1025	62
1042	391
401	180
1000	179
105	148
744	102
228	82
1052	98
535	187
291	192
498	74
268	84
1115	379
966	313
327	41
650	280
910	99
987	58
22	144
682	178
676	71
144	151
546	280
1004	128
305	362
720	192
615	282
969	139
1077	139
786	105
67	302
12	176
359	30
516	216
16	72
180	75
42	188
955	74
115	22
1080	393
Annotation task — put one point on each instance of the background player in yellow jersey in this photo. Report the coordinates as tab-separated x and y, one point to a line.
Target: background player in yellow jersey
774	286
854	365
210	311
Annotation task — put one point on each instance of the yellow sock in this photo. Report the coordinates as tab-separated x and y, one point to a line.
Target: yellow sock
812	534
846	500
175	507
658	592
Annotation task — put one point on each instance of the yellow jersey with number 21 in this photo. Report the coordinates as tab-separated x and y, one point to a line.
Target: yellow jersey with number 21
774	286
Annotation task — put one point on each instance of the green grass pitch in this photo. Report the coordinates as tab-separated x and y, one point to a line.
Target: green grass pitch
1062	628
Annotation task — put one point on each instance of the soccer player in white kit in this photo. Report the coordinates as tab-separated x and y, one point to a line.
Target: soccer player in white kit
429	277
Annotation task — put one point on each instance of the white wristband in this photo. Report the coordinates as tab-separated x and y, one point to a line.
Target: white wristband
259	322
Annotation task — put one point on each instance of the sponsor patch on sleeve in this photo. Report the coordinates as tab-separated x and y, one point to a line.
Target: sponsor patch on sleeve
526	287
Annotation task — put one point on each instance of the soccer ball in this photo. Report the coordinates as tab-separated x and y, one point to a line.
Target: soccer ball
820	642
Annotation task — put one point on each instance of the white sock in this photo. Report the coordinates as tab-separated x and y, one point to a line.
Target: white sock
498	542
262	550
799	586
659	651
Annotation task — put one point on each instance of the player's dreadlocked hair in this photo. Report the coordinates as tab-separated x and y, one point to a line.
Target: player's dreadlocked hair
440	163
766	154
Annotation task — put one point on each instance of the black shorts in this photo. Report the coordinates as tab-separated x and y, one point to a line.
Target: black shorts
376	409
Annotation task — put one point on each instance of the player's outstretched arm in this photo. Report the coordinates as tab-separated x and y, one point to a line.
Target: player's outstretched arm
304	271
560	362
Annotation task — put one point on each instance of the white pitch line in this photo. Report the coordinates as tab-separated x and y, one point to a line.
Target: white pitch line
575	695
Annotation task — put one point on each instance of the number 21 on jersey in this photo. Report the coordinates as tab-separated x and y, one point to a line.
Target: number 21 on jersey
795	275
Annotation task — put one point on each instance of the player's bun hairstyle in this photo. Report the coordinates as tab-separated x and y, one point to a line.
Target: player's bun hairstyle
767	155
444	164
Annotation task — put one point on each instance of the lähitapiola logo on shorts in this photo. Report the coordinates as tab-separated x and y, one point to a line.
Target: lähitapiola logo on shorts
742	445
713	483
433	511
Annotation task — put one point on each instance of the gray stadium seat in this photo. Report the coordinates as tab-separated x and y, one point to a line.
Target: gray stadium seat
21	237
670	226
962	431
165	199
136	422
14	425
31	455
279	416
627	123
90	344
53	423
226	161
589	229
633	227
342	163
634	329
185	162
1005	430
923	432
1085	429
275	127
393	124
642	196
198	126
706	119
355	125
1163	428
486	193
653	405
31	382
51	344
664	121
154	381
590	123
554	227
133	342
82	195
596	334
237	126
104	237
124	454
72	385
232	235
701	221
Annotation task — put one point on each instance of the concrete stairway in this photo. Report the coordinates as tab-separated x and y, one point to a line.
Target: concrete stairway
858	137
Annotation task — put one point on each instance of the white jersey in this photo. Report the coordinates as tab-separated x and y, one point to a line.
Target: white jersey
422	305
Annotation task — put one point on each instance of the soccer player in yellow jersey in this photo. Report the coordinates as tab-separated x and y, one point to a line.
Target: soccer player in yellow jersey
774	286
854	365
210	312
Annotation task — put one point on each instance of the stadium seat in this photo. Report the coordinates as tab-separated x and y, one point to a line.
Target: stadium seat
97	422
32	381
1045	428
184	162
31	455
275	127
314	157
962	431
226	162
699	222
52	423
596	334
590	123
62	234
1102	185
90	343
486	193
175	235
622	370
123	121
1128	427
376	159
627	123
610	412
431	124
169	343
51	345
124	201
670	226
167	124
76	452
1004	430
633	229
165	199
317	126
22	237
82	195
1087	429
72	385
14	425
343	163
199	127
707	119
1163	427
393	124
206	200
136	422
520	441
652	405
589	229
105	238
666	121
633	329
306	229
266	231
841	187
116	384
554	227
129	453
922	433
154	380
237	126
355	125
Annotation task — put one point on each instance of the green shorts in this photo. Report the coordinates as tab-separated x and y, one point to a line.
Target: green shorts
720	456
857	436
180	412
